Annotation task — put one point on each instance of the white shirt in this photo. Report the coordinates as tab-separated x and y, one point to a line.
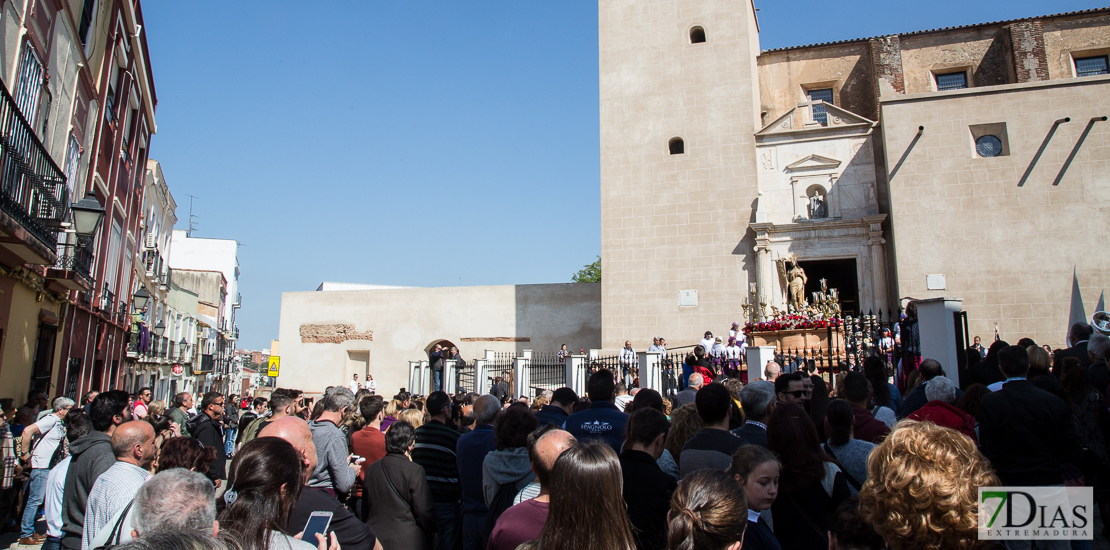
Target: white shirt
622	401
718	350
354	386
52	429
52	503
627	356
732	352
707	344
371	385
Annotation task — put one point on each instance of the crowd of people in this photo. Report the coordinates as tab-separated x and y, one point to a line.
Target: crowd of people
790	461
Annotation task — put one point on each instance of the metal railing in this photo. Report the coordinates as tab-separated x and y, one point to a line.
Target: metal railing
32	187
464	378
548	371
77	258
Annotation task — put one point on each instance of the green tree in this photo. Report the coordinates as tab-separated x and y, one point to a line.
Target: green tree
590	273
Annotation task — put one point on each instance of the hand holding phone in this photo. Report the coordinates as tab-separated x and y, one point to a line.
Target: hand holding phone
318	523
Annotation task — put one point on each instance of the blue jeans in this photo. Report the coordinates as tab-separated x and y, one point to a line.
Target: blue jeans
52	543
36	492
448	522
229	440
436	376
474	531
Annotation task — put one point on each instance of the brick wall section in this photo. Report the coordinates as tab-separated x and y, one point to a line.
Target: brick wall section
886	55
1030	60
332	334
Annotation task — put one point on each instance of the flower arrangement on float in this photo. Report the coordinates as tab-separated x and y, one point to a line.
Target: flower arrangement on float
792	322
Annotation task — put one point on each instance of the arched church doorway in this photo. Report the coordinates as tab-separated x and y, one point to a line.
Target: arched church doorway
838	274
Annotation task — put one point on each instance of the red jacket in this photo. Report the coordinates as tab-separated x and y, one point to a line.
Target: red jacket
943	414
867	427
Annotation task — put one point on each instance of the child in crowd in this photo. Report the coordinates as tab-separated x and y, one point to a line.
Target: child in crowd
757	470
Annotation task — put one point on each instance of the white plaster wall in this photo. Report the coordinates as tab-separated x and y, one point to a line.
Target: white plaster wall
855	177
208	254
406	321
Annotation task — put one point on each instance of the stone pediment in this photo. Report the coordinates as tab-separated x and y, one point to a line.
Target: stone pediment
813	162
798	119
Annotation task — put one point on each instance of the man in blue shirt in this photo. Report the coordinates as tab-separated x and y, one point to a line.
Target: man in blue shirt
471	452
602	420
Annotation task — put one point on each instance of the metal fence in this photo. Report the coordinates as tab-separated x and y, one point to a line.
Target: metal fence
464	378
548	371
502	363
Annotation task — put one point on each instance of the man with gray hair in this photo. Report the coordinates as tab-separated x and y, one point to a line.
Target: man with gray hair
1098	349
686	396
334	472
471	452
173	500
940	410
50	443
758	400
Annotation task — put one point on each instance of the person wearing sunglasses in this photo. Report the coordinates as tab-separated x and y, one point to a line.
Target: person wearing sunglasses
790	389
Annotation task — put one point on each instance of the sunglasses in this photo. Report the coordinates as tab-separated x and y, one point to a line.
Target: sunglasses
795	393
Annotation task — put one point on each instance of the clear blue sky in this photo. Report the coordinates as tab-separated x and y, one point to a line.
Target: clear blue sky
416	143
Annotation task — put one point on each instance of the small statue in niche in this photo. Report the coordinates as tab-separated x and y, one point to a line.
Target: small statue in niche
817	207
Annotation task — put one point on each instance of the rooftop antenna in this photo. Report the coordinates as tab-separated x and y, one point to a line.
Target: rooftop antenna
192	218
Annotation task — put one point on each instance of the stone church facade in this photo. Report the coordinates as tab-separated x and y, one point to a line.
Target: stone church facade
967	162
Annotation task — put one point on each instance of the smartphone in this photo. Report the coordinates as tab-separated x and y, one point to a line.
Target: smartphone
318	522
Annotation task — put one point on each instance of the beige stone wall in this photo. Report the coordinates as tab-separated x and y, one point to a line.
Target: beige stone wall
983	52
784	77
328	336
675	222
1008	251
1082	36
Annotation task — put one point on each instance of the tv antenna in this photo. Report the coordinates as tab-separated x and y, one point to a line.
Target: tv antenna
192	218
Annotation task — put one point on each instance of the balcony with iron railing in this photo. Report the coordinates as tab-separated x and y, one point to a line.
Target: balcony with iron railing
74	257
33	196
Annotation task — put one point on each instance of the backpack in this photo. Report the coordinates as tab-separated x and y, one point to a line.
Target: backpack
502	501
252	429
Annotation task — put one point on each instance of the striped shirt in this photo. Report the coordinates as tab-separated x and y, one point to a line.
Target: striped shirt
435	451
116	487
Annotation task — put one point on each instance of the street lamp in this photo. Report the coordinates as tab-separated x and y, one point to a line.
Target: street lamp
160	328
140	298
87	215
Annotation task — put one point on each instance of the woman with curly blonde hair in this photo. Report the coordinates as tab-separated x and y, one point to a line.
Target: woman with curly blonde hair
412	416
922	488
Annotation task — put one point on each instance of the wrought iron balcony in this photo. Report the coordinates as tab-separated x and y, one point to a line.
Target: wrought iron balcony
32	187
77	258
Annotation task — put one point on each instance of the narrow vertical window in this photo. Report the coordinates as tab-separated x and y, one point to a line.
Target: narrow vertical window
819	113
676	146
30	83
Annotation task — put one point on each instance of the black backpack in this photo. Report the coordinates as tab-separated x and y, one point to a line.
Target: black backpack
502	501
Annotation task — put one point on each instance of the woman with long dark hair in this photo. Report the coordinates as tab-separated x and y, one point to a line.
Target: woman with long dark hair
818	403
850	453
708	512
587	508
265	482
811	486
883	393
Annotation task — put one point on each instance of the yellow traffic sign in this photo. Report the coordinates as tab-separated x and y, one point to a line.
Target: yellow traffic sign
272	368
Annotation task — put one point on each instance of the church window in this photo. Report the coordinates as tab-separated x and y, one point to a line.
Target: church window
1091	66
820	115
951	81
676	146
697	35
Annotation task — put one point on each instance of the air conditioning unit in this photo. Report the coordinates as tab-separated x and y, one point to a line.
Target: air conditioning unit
151	240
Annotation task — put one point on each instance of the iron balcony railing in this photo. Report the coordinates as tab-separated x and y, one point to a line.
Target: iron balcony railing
77	258
32	187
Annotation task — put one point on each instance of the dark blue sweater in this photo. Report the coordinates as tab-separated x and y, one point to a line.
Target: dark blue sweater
601	421
471	452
